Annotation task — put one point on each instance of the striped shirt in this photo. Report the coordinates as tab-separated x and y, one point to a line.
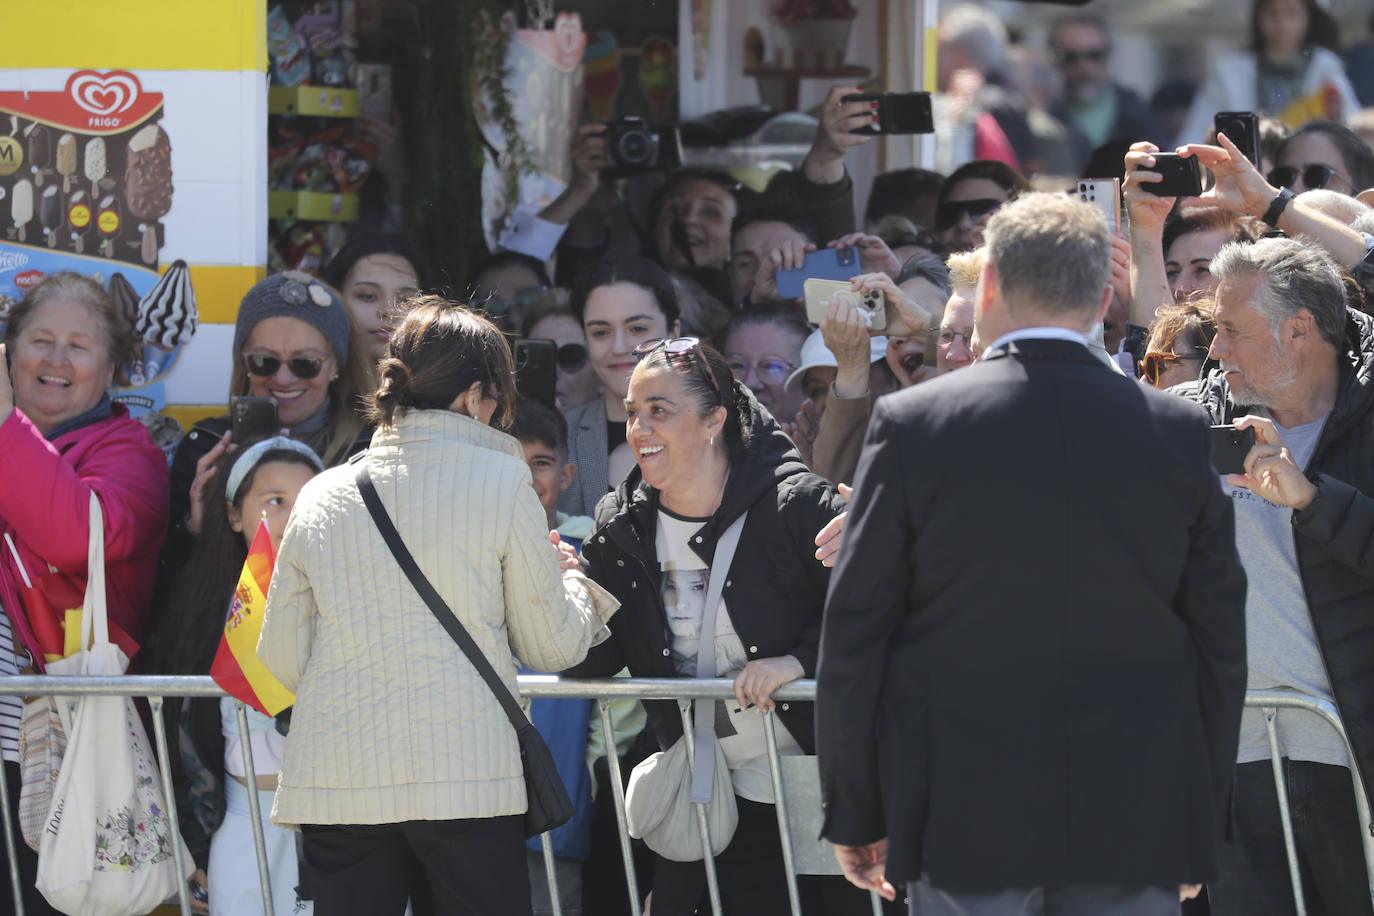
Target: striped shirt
11	707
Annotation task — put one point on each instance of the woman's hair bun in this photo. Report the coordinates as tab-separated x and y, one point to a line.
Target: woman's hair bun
395	379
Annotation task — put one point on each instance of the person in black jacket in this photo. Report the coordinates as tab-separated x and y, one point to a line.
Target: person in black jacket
707	454
1297	366
1031	675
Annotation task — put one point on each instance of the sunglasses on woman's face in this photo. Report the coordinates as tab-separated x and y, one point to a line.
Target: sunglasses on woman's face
953	211
265	365
1314	175
1155	364
572	357
676	347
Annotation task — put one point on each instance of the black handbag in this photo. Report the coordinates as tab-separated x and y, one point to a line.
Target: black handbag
549	805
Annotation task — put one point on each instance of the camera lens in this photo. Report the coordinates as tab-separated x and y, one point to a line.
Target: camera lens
633	148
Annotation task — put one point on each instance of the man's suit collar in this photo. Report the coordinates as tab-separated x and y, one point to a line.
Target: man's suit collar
1044	348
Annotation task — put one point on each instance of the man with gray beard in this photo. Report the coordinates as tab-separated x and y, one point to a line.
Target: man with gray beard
1297	367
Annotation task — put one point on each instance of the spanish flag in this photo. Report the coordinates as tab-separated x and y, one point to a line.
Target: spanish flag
236	667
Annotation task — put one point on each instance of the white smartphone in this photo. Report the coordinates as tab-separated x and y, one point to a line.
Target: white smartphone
818	293
1105	195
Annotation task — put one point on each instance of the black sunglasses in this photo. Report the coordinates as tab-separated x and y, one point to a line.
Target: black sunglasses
675	347
952	211
572	357
265	365
1093	55
1314	175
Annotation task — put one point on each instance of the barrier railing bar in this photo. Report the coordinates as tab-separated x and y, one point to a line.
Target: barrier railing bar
550	873
770	732
254	805
708	860
618	794
164	758
11	850
684	690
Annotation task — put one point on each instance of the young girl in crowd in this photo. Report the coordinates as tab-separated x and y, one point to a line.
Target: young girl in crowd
261	482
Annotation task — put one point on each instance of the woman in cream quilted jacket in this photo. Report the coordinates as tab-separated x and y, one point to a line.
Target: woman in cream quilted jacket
400	768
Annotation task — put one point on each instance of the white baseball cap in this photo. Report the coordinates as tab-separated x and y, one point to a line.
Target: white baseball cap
815	353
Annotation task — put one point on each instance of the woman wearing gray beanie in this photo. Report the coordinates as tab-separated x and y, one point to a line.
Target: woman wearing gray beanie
294	342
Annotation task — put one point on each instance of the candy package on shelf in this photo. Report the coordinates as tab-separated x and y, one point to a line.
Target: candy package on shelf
330	162
290	59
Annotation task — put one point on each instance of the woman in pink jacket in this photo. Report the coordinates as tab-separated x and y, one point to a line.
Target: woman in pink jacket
61	438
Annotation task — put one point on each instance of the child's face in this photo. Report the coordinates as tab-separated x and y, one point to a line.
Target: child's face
550	473
276	484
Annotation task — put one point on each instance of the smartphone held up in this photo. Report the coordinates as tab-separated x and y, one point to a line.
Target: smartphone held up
898	112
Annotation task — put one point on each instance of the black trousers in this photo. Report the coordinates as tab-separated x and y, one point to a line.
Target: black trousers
34	903
473	867
1254	865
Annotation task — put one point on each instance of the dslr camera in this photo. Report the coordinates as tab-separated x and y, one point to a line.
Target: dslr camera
635	148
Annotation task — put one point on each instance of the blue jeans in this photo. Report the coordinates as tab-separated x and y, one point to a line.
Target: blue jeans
1254	866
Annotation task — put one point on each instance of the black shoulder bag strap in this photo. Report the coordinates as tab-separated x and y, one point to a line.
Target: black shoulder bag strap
538	761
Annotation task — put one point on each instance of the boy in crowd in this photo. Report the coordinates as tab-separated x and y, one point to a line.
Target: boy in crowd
543	433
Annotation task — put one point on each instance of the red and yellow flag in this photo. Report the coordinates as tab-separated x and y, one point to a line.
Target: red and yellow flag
236	667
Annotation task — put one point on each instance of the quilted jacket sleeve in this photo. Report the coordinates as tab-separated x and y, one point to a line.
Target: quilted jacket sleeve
553	617
288	627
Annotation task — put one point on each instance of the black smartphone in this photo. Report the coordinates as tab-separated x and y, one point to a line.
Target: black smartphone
252	418
1229	448
898	112
1242	129
1182	177
536	369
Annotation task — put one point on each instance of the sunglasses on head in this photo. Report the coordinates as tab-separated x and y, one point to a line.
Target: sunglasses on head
953	211
1314	175
1154	364
265	365
677	347
1092	55
572	357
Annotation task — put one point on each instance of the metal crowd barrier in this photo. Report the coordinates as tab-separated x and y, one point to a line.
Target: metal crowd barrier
682	690
1269	702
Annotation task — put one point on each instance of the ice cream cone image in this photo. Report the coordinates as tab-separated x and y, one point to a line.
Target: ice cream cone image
166	319
95	164
21	206
66	160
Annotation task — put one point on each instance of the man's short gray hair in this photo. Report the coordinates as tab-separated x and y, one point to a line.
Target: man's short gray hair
979	32
1293	276
1338	206
1053	254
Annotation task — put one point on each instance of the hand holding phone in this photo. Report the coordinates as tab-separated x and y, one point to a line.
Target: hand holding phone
871	304
252	418
1181	176
898	112
1230	446
824	264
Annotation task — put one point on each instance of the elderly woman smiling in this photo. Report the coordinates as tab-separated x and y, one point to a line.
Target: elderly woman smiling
62	439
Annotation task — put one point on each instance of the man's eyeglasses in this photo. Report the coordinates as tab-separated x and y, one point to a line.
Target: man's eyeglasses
1154	364
572	357
677	347
949	335
952	212
769	370
1069	57
265	365
1314	175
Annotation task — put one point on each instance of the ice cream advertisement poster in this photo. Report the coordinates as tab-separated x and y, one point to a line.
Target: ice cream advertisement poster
85	180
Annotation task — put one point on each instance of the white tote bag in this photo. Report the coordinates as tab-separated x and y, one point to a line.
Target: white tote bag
107	848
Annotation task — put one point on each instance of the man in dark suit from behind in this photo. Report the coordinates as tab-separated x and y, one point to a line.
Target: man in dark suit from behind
1033	658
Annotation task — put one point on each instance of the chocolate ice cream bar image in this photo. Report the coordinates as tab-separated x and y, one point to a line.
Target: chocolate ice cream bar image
21	205
125	300
66	160
166	318
40	151
108	220
148	183
95	164
50	213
